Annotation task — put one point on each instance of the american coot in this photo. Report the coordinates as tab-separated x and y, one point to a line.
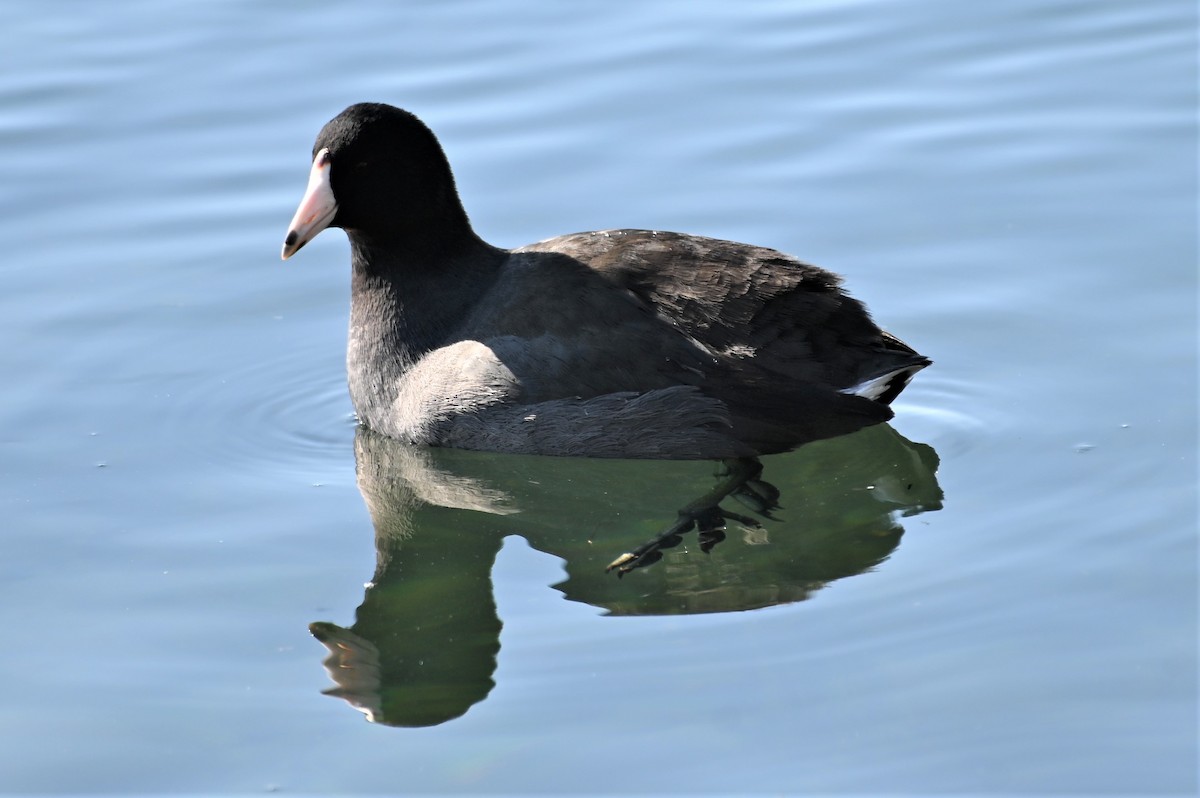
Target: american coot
615	343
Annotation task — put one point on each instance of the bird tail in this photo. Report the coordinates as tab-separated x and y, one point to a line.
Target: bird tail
884	388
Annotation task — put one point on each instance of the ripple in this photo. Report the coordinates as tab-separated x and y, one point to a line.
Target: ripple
288	415
292	415
938	415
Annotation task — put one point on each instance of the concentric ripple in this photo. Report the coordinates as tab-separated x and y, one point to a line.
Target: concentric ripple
937	414
290	416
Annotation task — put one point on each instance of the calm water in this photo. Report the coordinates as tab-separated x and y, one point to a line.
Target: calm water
996	594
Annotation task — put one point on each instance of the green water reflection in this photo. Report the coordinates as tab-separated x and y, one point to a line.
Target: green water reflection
423	647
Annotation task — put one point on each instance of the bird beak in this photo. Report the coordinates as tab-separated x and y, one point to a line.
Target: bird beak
316	210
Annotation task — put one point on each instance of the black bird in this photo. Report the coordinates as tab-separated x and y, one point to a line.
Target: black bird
615	343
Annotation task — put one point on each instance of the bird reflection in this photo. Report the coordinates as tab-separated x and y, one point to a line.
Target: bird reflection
423	647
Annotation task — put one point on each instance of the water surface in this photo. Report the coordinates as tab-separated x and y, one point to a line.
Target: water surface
994	594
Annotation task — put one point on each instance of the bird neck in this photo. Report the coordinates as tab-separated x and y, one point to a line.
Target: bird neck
407	302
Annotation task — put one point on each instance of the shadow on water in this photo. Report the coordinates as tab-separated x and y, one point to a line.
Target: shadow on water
423	647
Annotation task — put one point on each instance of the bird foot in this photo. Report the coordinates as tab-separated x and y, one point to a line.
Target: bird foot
740	480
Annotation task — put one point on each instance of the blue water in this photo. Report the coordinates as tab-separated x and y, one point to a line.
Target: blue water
997	594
